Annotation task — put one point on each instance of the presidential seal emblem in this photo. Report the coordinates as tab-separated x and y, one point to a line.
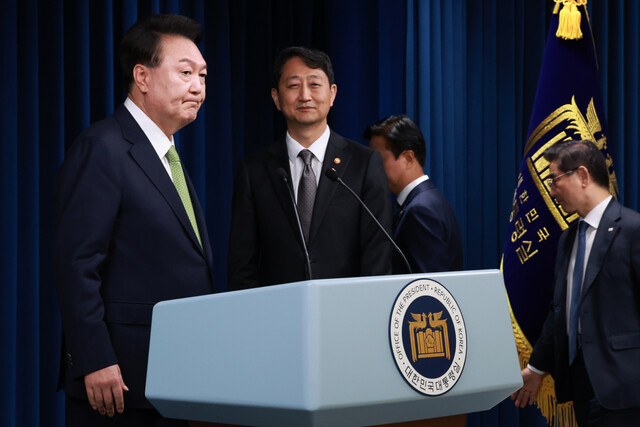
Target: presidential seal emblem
428	337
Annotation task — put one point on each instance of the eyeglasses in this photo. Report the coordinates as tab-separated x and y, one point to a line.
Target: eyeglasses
551	181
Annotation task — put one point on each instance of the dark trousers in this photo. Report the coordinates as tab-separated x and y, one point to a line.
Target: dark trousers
589	412
80	414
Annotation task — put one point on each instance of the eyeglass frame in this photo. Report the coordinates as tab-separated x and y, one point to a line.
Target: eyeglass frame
551	182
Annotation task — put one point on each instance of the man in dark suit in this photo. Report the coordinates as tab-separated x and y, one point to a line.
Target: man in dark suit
126	235
590	341
425	225
265	245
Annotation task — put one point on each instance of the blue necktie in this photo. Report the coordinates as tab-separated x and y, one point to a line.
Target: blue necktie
576	288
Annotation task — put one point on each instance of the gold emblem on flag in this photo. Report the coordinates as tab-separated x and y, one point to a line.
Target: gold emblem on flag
565	124
429	336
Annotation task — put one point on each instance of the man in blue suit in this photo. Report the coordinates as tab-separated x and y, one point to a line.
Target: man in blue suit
425	225
129	229
590	341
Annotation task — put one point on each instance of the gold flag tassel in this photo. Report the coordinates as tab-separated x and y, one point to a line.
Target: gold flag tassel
569	21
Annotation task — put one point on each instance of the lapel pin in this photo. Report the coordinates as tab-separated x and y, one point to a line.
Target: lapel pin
610	228
337	160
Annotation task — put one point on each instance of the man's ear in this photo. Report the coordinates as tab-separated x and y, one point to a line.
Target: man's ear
409	156
274	96
141	77
334	92
583	175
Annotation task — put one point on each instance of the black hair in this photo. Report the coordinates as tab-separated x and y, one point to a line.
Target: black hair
402	134
313	58
570	155
141	43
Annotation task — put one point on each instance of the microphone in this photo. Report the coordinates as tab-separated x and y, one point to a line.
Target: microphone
333	176
283	175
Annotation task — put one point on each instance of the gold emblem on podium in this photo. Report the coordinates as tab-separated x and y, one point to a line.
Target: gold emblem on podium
429	336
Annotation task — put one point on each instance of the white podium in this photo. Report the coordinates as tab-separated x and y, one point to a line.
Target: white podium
318	353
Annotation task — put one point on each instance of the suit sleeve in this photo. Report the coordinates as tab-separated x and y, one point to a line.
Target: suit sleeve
243	261
542	356
87	201
375	248
544	351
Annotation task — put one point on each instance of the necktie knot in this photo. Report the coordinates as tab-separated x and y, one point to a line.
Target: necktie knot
172	155
306	157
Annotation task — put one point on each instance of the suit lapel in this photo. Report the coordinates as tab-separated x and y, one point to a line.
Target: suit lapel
146	157
327	188
607	230
200	220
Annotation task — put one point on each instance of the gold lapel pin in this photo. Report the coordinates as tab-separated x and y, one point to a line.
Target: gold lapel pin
337	160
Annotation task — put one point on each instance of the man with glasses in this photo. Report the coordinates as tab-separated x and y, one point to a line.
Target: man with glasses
590	341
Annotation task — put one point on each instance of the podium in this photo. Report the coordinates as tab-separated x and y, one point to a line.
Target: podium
320	353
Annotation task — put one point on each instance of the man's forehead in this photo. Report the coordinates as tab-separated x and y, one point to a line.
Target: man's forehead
180	46
296	67
312	75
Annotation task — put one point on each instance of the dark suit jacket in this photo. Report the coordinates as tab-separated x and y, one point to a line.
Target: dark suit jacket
609	313
123	242
427	232
265	246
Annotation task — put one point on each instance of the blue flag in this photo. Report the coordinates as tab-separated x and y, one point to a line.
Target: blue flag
568	106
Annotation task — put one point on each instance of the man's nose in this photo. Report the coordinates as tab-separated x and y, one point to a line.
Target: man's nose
305	92
197	85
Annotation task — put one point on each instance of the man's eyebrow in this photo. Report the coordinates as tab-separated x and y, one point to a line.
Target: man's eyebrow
309	76
191	62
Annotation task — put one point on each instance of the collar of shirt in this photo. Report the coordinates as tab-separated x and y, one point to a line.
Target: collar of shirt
159	141
318	148
595	215
402	197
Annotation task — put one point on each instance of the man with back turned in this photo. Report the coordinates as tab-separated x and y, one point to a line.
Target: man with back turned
425	226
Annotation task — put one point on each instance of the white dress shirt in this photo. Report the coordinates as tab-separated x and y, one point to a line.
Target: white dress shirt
593	220
160	142
407	190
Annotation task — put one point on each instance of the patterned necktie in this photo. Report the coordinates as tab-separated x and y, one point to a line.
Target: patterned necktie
181	186
306	193
576	290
